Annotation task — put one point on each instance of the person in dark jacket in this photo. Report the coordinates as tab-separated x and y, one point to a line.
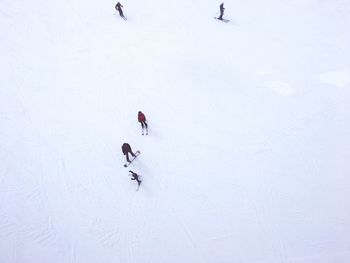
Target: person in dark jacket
126	149
135	176
142	119
222	9
119	6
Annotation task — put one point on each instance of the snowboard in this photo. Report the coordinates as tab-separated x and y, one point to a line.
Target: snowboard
138	183
133	158
223	20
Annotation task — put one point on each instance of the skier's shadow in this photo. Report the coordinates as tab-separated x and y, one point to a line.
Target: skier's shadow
144	188
229	22
141	168
155	134
119	17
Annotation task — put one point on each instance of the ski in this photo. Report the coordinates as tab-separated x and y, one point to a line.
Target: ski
137	153
124	17
143	131
223	20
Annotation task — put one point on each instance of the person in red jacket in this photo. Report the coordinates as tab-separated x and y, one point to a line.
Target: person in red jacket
142	119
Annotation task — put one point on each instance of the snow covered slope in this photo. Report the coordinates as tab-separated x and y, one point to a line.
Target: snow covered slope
248	154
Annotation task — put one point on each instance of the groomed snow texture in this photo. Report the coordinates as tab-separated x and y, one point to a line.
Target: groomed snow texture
248	152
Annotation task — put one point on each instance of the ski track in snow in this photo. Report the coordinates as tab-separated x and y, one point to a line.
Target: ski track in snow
279	87
73	253
2	175
7	228
184	229
43	237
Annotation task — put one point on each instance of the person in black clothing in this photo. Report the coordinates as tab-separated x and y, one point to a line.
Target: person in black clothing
222	8
119	6
135	176
126	149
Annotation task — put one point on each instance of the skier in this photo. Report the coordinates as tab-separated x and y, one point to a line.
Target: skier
126	149
119	6
222	8
142	119
135	176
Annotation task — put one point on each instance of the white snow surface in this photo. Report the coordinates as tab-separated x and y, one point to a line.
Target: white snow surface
247	159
